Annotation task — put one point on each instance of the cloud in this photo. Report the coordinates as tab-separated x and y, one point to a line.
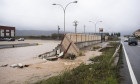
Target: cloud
117	15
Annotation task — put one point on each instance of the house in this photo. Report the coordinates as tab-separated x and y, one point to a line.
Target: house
7	32
137	33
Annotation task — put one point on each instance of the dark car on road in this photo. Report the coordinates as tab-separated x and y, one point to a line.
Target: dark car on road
132	41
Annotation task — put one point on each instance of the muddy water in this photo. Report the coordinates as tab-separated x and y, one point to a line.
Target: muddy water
20	54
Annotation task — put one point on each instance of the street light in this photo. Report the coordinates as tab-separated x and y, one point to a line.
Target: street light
58	32
95	24
64	9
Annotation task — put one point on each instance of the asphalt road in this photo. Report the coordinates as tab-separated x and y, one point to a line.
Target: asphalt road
133	53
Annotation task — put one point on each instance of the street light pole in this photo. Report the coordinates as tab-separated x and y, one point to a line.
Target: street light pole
58	32
64	10
84	28
95	24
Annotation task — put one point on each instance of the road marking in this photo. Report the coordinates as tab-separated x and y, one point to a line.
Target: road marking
134	81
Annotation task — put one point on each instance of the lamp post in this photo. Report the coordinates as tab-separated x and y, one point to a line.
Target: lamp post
58	32
84	28
64	9
95	24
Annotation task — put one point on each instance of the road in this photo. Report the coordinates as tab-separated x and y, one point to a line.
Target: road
133	54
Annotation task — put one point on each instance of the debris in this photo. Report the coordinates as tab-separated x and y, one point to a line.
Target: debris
4	65
61	54
20	65
58	51
44	59
26	65
14	65
52	58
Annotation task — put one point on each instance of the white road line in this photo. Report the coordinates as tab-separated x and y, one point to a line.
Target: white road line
134	81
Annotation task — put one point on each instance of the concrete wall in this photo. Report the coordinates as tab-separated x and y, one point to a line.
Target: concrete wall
82	37
73	42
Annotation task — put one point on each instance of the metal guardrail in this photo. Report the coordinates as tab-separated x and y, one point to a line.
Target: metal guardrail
17	45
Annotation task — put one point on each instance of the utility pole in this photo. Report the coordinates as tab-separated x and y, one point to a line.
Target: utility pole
75	24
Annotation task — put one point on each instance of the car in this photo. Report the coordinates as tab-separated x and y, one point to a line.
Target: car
21	39
12	39
125	40
1	39
6	39
132	41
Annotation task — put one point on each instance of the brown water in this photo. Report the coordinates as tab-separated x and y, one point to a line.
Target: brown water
39	69
19	54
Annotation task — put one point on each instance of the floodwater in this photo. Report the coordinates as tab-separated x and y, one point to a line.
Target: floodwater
38	69
20	54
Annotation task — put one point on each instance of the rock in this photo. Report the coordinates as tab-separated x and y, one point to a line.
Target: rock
26	65
20	65
4	65
14	65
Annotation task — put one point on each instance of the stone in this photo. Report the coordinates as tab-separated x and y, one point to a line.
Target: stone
4	65
20	65
14	65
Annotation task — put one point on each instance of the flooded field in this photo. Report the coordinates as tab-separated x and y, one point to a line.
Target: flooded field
19	54
24	55
38	69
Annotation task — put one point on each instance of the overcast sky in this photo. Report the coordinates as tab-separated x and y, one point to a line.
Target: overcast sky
117	15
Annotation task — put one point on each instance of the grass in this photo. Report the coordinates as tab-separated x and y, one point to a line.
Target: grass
98	73
113	44
96	47
111	38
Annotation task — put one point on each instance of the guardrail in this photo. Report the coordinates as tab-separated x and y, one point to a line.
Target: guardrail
17	45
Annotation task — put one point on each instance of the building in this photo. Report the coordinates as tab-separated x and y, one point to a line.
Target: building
7	32
137	33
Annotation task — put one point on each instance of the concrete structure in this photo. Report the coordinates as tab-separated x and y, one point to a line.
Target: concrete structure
7	32
71	44
137	33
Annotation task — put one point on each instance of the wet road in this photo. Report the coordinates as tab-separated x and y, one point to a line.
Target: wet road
133	53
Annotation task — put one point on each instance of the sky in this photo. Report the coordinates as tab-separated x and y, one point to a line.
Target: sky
116	15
